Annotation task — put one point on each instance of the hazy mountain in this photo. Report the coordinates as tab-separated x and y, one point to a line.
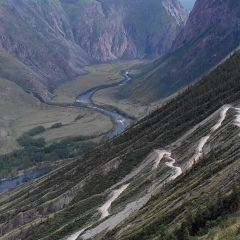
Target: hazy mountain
188	4
173	174
54	39
211	33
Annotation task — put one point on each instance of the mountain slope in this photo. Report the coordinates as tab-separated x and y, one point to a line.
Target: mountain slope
21	112
189	127
56	38
16	72
198	48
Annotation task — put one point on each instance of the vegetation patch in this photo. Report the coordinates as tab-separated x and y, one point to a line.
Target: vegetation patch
57	125
36	152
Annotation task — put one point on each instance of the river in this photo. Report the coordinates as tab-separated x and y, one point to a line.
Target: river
86	100
13	182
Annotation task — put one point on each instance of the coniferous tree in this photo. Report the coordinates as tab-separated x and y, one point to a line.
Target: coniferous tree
236	196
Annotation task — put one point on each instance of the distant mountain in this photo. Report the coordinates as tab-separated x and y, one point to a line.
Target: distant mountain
188	4
212	32
54	39
172	175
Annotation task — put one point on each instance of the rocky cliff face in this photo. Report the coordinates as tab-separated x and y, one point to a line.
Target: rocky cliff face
212	32
217	20
109	30
54	39
31	31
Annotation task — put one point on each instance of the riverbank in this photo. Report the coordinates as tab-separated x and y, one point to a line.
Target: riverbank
121	122
98	75
6	184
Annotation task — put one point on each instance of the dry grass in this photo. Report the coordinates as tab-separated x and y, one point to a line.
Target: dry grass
99	74
133	108
91	124
21	112
136	109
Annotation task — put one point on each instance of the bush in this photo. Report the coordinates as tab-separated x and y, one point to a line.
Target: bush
35	131
80	116
26	141
57	125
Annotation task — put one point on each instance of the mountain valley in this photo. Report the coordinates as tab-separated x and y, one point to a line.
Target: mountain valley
55	39
157	194
120	119
197	49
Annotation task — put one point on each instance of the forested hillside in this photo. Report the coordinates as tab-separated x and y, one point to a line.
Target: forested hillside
68	199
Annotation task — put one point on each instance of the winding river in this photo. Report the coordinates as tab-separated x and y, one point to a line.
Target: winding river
121	123
86	100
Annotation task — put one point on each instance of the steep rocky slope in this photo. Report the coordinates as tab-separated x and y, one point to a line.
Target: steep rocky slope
212	32
193	140
54	39
219	25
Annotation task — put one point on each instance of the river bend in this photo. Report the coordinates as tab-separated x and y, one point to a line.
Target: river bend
86	100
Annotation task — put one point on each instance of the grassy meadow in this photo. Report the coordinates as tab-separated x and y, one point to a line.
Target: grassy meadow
21	112
99	74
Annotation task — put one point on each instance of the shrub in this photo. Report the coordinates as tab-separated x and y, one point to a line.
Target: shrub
35	131
57	125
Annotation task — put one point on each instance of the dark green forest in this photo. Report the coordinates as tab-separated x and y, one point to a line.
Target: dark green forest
35	151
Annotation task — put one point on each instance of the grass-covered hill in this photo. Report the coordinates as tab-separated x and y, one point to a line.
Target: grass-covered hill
22	112
199	134
13	70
